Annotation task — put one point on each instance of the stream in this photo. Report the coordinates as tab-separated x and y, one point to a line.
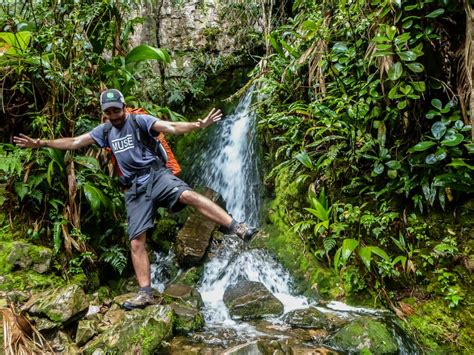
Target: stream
231	168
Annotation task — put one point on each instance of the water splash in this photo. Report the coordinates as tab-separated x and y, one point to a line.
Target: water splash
232	263
163	269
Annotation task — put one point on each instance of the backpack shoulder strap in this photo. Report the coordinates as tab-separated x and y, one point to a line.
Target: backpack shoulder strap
147	141
107	128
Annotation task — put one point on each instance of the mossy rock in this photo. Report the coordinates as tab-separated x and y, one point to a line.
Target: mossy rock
364	335
191	276
28	256
59	305
309	318
140	332
29	280
187	319
439	329
183	294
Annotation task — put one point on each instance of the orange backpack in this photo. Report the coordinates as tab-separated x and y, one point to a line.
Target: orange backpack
167	155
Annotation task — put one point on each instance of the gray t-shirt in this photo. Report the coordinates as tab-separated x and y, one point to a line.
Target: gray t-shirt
123	143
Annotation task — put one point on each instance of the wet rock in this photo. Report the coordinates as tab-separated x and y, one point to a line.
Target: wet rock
250	300
86	329
193	239
365	334
284	330
183	294
140	331
187	319
306	318
277	347
28	256
243	349
59	305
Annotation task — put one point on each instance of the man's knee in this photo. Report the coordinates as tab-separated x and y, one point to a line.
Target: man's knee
139	243
189	197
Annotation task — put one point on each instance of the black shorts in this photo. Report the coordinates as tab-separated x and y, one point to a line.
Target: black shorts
142	201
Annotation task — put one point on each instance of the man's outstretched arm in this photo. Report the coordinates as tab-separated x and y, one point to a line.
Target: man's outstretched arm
61	143
184	127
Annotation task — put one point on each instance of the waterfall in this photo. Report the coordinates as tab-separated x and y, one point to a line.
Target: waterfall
231	163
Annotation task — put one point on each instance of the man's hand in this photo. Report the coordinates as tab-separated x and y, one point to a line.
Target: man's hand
26	142
213	116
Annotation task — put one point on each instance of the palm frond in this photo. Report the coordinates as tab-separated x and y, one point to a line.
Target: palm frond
20	336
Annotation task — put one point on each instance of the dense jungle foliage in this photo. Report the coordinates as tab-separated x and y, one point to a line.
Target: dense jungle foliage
364	113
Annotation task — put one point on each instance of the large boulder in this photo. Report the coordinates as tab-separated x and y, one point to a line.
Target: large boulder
141	331
193	239
28	256
183	294
309	318
251	300
59	305
365	334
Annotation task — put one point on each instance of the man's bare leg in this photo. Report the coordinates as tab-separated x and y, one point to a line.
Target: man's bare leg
206	207
141	263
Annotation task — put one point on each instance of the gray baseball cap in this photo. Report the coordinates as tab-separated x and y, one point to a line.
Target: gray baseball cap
111	98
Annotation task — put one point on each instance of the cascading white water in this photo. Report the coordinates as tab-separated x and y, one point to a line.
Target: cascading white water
234	263
231	163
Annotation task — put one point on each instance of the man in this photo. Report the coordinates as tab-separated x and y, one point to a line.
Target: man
150	184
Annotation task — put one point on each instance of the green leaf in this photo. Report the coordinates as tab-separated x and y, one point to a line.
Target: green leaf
452	138
400	259
348	246
304	159
340	47
21	190
469	147
145	52
415	67
419	86
460	163
393	164
395	71
438	129
15	43
391	31
337	257
431	159
88	162
407	56
435	13
378	168
380	252
365	254
392	94
57	236
329	244
422	146
96	197
437	104
402	104
289	49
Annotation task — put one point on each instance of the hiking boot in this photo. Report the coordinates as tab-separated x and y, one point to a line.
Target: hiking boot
245	232
141	300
